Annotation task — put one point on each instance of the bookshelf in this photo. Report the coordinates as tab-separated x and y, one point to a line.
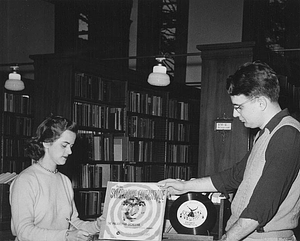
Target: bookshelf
160	124
16	118
16	126
129	130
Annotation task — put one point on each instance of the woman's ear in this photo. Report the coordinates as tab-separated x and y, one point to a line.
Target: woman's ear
46	145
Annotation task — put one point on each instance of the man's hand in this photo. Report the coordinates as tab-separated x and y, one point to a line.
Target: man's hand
240	229
224	237
174	186
178	187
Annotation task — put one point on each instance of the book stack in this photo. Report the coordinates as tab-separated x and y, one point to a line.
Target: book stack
5	214
7	178
89	202
145	103
17	103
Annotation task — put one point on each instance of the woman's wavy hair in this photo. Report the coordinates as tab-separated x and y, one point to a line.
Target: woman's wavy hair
48	131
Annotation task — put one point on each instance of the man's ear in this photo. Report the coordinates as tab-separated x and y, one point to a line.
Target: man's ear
263	102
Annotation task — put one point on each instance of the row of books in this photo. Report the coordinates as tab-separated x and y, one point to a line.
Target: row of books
96	145
140	151
136	174
92	87
7	177
146	103
178	153
99	116
5	214
97	175
178	131
156	173
17	125
90	176
149	151
178	110
141	127
180	172
16	165
290	92
102	147
89	203
13	147
17	103
146	173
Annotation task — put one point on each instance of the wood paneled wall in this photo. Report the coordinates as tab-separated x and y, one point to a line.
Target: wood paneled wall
220	150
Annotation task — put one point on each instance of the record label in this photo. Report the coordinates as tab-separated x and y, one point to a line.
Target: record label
193	213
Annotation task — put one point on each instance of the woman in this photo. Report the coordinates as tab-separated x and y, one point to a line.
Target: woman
42	199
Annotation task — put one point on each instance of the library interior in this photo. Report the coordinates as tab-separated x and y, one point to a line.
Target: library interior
90	62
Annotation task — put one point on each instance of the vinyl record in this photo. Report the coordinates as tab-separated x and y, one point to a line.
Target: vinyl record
193	213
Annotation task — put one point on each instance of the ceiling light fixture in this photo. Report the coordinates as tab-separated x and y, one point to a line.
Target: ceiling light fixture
159	76
14	81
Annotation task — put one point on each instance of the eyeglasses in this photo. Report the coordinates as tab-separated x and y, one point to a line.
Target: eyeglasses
238	108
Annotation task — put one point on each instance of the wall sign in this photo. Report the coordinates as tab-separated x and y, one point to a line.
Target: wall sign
223	125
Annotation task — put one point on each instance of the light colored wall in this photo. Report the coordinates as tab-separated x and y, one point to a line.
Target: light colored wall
210	22
133	34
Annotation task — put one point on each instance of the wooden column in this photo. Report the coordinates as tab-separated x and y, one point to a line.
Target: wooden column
220	150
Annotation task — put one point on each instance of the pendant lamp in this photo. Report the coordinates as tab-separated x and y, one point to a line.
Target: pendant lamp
159	76
14	81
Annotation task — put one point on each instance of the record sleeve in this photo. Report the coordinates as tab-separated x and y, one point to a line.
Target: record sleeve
133	211
193	213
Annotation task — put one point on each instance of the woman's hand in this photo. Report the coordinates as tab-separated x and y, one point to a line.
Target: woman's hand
77	235
100	221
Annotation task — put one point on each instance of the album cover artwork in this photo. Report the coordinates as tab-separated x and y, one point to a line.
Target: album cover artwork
133	211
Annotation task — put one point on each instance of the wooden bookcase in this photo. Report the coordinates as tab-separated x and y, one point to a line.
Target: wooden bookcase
16	120
129	130
5	213
16	126
163	132
220	150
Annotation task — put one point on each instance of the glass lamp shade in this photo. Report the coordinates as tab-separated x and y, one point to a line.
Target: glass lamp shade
159	76
14	82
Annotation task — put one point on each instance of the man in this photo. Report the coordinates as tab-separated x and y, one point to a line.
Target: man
266	181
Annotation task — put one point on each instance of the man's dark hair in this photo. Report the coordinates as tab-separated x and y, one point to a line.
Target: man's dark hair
254	80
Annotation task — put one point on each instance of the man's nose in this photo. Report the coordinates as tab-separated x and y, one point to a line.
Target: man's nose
235	113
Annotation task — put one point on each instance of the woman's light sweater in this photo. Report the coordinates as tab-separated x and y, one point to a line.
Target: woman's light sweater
40	203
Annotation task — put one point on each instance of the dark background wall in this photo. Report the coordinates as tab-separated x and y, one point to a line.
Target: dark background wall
27	27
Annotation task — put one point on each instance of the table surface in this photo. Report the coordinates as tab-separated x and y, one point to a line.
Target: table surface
6	235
